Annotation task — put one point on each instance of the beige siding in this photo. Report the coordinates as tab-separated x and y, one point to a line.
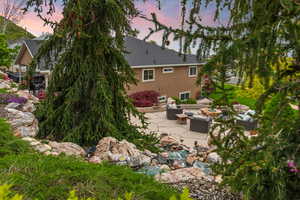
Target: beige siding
167	84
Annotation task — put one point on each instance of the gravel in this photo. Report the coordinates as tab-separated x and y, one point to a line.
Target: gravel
206	190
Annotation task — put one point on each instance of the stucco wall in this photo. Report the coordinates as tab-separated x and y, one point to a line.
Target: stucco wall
167	84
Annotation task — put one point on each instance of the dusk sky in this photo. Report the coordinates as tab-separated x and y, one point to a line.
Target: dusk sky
169	14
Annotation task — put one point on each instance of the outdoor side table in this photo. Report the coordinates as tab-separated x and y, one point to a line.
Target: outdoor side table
181	118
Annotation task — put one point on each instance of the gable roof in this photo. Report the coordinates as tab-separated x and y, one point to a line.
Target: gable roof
33	46
140	54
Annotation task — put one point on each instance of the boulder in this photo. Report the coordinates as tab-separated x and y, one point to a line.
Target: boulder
180	175
191	158
205	102
15	106
4	85
168	140
27	95
26	131
28	107
213	158
119	152
42	148
67	148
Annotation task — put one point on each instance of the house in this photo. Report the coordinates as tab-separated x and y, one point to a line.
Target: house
161	70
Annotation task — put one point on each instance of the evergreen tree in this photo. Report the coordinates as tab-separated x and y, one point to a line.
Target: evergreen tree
86	98
258	34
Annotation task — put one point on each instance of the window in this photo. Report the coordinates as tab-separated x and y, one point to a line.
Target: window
184	95
162	99
148	75
193	71
168	70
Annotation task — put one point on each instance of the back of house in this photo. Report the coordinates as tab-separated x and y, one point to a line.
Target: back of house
157	69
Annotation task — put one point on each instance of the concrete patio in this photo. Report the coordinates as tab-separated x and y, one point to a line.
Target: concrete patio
158	123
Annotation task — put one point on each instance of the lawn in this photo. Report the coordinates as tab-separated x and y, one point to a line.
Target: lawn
235	95
37	176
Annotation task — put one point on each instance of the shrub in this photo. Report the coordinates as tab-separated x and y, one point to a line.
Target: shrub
19	100
5	194
9	144
186	101
145	98
47	177
11	98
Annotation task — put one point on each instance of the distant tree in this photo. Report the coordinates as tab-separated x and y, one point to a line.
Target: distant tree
6	54
11	10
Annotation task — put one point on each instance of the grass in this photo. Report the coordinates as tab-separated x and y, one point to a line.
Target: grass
3	91
234	96
9	144
37	176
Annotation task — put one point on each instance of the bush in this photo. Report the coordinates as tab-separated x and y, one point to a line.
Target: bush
9	144
5	194
47	177
186	101
145	98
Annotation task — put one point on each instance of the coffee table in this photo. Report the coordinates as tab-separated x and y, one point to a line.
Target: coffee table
181	118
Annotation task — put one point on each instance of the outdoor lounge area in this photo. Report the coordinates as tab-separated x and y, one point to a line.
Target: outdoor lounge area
190	125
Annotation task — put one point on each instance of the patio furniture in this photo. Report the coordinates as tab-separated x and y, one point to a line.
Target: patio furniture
172	112
189	114
246	120
181	118
247	124
200	124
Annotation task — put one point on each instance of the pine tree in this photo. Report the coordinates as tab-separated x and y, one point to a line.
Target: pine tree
86	98
258	34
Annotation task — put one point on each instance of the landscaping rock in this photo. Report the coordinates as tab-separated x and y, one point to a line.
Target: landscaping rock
180	175
213	157
27	95
167	140
15	106
191	158
4	85
203	189
120	152
67	148
42	148
26	131
28	107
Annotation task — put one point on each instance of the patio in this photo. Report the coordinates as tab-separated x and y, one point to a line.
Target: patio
158	123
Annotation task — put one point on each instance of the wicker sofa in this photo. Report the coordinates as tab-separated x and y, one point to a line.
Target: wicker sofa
200	124
172	112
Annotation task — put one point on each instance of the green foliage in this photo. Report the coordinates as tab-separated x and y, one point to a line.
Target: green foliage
48	177
9	144
185	101
3	91
234	94
5	193
6	54
86	98
15	32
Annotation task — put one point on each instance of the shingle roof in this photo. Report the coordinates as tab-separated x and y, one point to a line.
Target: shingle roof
33	46
144	53
140	53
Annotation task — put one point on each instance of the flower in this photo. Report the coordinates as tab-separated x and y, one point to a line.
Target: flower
291	164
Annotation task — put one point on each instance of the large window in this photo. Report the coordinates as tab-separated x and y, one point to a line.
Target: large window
184	95
148	75
193	71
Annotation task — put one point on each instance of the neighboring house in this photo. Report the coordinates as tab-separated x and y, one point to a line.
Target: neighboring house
161	70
